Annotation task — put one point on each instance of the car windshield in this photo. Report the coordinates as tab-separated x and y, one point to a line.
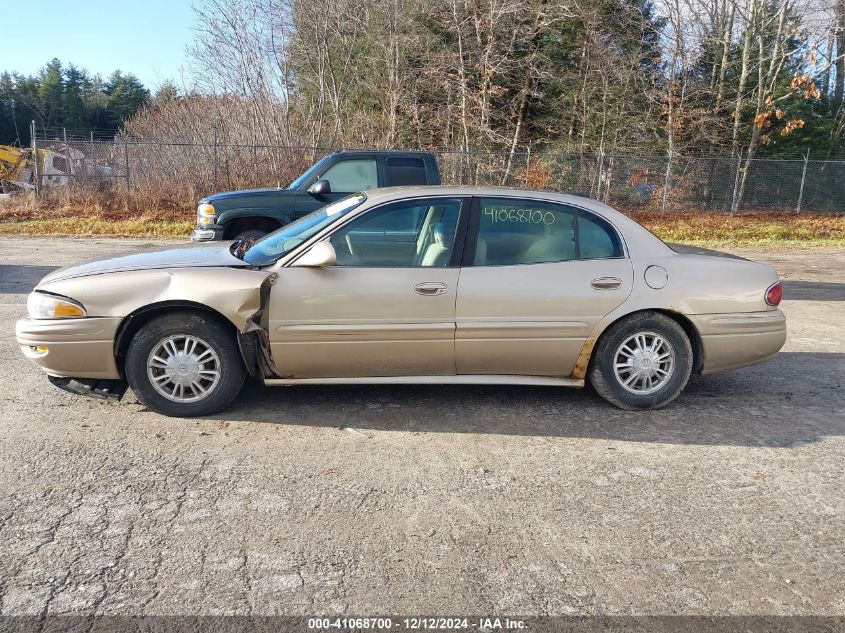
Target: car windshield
274	245
296	184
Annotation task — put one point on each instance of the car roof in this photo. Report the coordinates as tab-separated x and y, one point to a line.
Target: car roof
387	193
379	152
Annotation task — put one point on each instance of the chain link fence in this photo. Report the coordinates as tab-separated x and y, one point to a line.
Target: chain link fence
185	171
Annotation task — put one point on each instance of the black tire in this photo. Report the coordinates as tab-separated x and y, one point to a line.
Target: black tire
251	234
608	383
208	330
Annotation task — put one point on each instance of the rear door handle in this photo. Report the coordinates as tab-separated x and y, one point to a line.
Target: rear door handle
606	283
431	288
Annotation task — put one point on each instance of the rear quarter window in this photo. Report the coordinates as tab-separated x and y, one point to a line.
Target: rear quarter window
597	238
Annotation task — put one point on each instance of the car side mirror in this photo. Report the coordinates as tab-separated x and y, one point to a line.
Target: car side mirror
320	187
318	256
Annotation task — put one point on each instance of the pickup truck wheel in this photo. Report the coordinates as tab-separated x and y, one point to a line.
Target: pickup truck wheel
184	364
642	362
250	234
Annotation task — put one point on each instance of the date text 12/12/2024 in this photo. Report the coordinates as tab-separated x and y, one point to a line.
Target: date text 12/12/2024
416	623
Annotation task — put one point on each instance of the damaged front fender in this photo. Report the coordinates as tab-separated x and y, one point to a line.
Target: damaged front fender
237	294
254	341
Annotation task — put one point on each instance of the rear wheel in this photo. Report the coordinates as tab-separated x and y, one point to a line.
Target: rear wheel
642	362
184	364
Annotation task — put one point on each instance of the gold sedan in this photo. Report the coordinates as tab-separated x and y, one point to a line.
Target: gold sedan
409	285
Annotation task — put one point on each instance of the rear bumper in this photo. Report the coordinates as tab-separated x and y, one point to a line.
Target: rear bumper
730	341
78	348
209	234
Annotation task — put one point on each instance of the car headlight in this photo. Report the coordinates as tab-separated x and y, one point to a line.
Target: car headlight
205	214
44	306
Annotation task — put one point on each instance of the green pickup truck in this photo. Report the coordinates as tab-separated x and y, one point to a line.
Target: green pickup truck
238	215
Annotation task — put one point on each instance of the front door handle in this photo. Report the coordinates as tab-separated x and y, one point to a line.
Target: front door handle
606	283
431	288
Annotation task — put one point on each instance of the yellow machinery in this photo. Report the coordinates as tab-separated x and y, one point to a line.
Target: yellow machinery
57	165
17	169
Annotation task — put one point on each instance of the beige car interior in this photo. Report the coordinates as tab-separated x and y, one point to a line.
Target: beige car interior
513	243
428	245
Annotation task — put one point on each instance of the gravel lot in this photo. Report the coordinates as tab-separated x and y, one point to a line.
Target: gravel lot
425	499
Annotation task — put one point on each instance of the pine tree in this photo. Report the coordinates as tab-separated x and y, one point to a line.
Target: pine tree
51	94
126	96
68	97
8	110
75	114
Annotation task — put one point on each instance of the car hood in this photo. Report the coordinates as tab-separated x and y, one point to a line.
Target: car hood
187	256
244	193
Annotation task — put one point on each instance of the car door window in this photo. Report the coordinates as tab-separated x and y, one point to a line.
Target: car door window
404	234
513	231
403	171
350	176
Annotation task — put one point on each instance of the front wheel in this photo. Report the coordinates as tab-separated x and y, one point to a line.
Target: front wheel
184	364
642	362
253	234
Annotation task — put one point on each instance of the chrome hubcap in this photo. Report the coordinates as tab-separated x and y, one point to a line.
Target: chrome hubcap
644	363
183	368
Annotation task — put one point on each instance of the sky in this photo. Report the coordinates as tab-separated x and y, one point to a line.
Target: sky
147	38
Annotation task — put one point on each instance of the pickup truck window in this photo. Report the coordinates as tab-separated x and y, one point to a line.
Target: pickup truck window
405	170
352	175
296	184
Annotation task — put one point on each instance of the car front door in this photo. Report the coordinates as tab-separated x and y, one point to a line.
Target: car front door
387	308
537	279
346	176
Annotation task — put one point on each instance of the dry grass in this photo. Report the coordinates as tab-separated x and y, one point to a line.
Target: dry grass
141	226
746	229
102	215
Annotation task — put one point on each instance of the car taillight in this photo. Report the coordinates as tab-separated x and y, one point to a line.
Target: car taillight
774	294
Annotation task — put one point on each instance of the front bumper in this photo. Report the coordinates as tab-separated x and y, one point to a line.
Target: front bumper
210	233
78	348
730	341
91	387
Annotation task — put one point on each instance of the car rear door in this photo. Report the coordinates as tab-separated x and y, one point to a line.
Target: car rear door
536	278
386	309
